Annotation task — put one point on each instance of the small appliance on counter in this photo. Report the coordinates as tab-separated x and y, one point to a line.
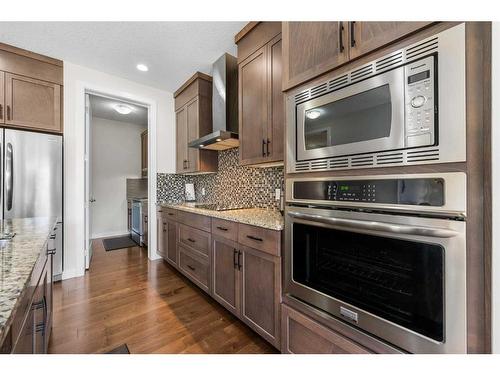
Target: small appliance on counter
190	195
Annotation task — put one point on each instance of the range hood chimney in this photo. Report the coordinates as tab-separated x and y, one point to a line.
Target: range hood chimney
224	107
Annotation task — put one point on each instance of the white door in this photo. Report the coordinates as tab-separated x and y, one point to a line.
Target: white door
88	183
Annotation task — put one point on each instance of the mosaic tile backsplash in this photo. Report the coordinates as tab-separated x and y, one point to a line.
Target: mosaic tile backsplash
232	186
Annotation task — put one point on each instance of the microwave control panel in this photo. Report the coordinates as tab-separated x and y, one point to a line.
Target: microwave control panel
420	109
412	191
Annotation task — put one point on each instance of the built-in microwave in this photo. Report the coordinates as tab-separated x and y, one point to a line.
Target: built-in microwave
405	108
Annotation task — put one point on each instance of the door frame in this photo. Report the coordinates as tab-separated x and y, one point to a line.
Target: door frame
84	88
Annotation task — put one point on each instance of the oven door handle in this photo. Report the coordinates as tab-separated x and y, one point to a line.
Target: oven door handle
377	226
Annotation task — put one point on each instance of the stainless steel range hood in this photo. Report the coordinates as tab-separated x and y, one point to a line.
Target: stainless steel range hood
224	107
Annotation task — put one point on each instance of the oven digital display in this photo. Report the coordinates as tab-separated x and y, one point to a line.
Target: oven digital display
419	76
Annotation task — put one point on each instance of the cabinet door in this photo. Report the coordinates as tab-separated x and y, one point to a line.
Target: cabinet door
225	274
193	123
145	229
275	131
129	217
2	97
32	103
311	49
48	300
181	137
170	242
24	344
144	153
260	293
253	102
365	37
161	232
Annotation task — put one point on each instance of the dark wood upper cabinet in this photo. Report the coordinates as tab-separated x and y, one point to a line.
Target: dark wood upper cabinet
32	103
193	106
253	107
313	48
144	153
365	37
260	96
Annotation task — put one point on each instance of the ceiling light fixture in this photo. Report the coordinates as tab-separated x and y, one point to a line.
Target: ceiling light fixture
142	67
218	140
313	114
123	109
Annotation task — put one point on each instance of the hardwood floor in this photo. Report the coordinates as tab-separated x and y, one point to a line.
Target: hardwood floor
127	299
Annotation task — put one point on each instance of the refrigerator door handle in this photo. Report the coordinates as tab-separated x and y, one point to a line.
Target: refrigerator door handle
9	175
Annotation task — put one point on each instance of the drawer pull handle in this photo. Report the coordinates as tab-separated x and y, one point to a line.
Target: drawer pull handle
191	268
170	214
158	210
235	262
254	238
239	260
222	229
191	240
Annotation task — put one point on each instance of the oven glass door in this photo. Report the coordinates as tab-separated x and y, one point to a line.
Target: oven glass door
364	117
399	280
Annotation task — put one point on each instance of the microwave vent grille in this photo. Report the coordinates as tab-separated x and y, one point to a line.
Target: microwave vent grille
422	155
422	49
361	73
318	165
303	96
337	83
362	161
302	166
392	158
389	61
339	163
319	90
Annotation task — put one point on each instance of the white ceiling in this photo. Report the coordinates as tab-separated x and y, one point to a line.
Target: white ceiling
104	108
173	51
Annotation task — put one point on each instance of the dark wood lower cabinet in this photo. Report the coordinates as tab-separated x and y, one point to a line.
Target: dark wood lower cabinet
301	335
261	293
226	274
35	324
246	281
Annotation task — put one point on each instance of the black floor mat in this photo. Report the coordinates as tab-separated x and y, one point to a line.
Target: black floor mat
122	349
116	243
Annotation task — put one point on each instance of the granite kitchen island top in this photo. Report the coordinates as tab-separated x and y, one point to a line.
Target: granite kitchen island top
259	217
17	259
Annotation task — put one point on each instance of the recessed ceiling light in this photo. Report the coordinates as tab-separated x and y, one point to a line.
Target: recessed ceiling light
142	67
313	114
218	140
123	109
202	146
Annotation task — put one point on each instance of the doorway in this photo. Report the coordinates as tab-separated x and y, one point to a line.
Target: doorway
116	171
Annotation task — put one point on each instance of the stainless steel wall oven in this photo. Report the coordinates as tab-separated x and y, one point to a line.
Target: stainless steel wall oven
360	249
405	108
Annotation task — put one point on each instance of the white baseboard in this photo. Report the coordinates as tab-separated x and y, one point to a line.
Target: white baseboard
109	234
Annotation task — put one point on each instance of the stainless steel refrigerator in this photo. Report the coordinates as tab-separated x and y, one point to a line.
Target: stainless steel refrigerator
31	180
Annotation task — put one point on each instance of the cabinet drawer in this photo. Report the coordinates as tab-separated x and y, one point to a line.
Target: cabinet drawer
168	213
193	220
195	239
266	240
301	335
195	268
226	229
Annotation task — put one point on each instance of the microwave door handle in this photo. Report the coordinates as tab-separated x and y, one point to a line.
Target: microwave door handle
377	225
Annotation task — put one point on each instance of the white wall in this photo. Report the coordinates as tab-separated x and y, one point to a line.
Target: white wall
115	156
76	80
495	123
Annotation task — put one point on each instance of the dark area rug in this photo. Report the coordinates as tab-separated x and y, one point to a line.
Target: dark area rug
116	243
122	349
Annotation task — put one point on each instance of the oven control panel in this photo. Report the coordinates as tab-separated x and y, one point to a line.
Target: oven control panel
408	191
420	110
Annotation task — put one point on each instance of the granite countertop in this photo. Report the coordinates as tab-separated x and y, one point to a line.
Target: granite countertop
259	217
17	259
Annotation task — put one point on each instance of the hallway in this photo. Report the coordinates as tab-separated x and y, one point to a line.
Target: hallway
127	299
